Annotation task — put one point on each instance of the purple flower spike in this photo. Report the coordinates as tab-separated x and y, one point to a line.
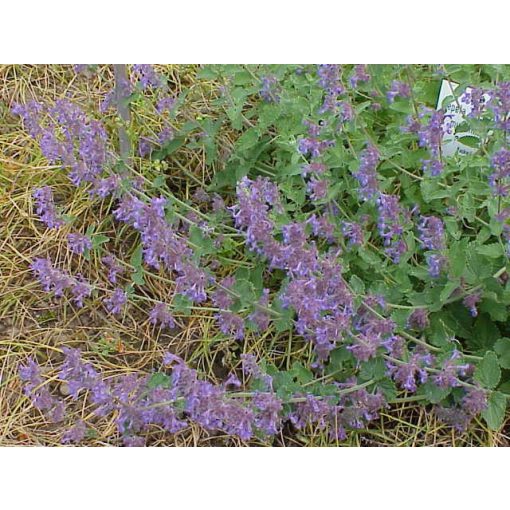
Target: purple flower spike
78	243
46	209
116	302
162	316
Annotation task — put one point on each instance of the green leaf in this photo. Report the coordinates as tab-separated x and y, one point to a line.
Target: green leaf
494	415
137	257
137	277
493	250
159	181
159	379
388	387
448	289
469	140
284	321
204	244
98	240
181	304
247	140
457	258
488	372
502	348
168	148
357	284
485	334
372	369
433	393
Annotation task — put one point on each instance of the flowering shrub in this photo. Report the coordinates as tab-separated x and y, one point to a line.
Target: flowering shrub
358	237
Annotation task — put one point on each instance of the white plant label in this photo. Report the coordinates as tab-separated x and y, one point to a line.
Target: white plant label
455	114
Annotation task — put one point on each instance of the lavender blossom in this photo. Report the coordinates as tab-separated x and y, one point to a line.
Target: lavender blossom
436	264
407	374
471	301
165	104
450	372
78	243
353	232
231	324
366	174
38	392
359	75
162	316
116	302
51	279
500	105
398	89
318	189
474	401
431	231
114	268
46	209
147	76
390	225
271	90
499	179
418	319
330	81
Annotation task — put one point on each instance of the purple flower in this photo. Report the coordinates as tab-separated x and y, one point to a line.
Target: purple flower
448	377
431	231
418	319
191	283
165	104
430	136
500	105
106	186
390	225
407	374
147	76
314	167
330	81
160	241
51	278
365	346
498	180
318	188
78	243
115	303
231	324
268	412
353	232
38	392
474	401
312	411
313	146
454	417
57	281
436	264
31	113
46	209
114	268
76	433
398	89
221	297
162	316
476	99
471	301
367	174
270	91
359	75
